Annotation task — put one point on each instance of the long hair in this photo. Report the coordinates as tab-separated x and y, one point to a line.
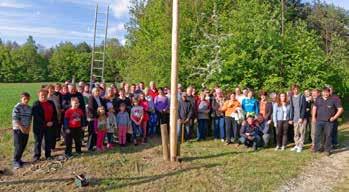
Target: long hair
278	99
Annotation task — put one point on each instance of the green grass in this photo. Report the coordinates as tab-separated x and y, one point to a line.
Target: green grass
206	166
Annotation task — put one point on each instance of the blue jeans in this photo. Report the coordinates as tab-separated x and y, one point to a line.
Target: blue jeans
256	142
219	129
186	131
202	128
152	125
137	131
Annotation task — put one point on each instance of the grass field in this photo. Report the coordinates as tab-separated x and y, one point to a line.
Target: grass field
206	166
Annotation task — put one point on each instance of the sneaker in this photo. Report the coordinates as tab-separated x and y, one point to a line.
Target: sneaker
295	148
299	149
283	148
222	140
277	148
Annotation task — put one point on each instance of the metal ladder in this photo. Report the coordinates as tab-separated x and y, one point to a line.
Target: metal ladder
99	45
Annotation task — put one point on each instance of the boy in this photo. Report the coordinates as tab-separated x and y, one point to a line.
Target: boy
21	120
250	134
73	121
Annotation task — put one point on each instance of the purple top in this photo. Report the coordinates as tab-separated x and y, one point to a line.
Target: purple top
161	103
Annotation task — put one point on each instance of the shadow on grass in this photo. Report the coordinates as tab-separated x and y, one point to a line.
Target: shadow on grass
114	182
110	181
188	159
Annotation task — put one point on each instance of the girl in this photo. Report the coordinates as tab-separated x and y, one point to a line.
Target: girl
123	122
137	118
100	127
111	125
281	118
203	116
144	103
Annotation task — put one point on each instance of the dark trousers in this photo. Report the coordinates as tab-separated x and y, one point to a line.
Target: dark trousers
335	133
230	127
202	128
20	141
110	138
48	134
323	127
92	137
282	130
70	135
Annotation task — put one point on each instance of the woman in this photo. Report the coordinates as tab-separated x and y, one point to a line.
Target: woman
229	108
282	119
217	104
162	106
44	123
144	124
94	101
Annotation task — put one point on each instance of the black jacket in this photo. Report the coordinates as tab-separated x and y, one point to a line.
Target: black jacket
185	110
39	118
93	106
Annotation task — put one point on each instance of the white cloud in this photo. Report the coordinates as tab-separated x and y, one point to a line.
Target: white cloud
120	8
13	4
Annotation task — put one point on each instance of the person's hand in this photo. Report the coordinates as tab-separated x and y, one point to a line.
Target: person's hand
332	119
49	124
269	122
300	121
290	122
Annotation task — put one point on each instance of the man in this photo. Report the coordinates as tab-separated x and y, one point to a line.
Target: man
315	93
298	116
185	112
335	123
326	111
250	134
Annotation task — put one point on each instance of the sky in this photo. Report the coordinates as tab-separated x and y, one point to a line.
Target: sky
53	21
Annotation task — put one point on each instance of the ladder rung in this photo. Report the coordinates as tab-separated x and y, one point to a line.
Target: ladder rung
99	68
98	60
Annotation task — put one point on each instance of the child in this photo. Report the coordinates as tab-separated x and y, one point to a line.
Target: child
144	103
21	120
203	116
73	118
123	121
100	127
137	118
111	125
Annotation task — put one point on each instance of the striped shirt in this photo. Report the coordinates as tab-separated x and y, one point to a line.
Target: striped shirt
21	113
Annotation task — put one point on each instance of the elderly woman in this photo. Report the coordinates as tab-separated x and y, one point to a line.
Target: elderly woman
94	101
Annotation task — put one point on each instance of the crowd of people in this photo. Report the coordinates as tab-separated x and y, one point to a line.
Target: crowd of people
131	114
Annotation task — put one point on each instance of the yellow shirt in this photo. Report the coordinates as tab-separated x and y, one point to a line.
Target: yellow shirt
230	107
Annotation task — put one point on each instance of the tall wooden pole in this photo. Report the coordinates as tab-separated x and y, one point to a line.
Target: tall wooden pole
174	77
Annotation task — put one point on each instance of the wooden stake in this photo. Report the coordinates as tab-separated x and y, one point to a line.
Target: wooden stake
164	138
174	77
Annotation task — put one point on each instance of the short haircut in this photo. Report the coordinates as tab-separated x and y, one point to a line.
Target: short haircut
74	99
43	90
263	93
295	86
25	94
50	86
326	89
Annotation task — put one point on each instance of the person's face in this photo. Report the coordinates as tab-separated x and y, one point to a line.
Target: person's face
244	92
97	93
250	94
57	88
161	92
250	120
73	90
273	98
283	97
102	111
86	89
202	96
122	108
263	97
51	90
122	94
25	100
189	91
141	85
314	94
65	90
184	97
75	104
306	93
42	96
237	91
295	91
152	85
326	94
141	97
260	118
232	97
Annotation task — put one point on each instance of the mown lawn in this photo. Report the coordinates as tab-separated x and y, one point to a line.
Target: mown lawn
206	166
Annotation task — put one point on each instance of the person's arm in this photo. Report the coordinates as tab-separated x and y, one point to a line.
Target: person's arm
313	113
256	105
17	119
340	110
274	115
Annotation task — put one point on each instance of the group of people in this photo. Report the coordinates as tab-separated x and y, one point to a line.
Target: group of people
134	113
